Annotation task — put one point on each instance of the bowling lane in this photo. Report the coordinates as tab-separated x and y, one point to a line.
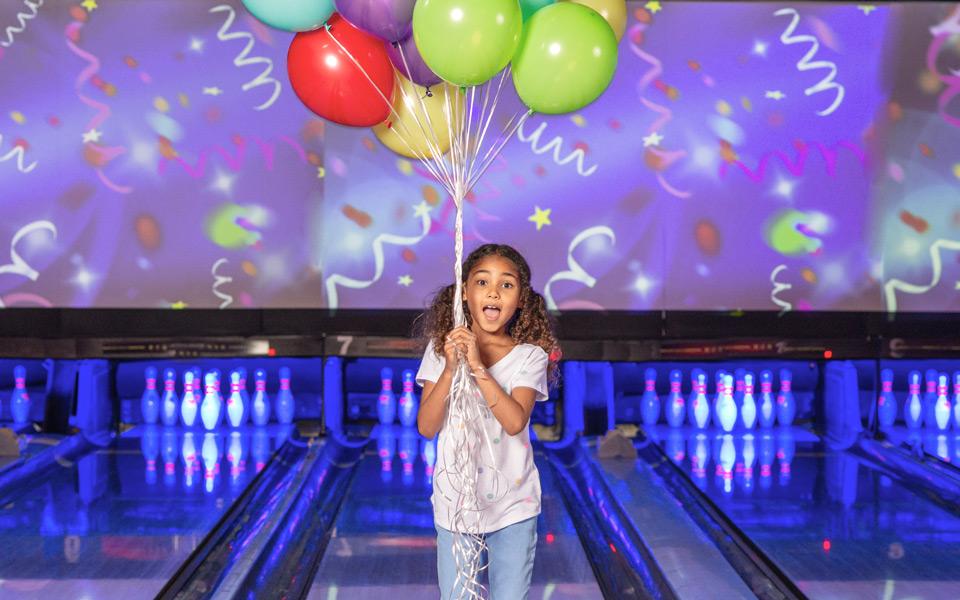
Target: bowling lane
118	522
384	543
833	524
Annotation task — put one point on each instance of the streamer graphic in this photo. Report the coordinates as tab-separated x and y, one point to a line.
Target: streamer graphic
244	59
655	70
378	260
17	153
556	147
797	166
22	18
107	153
218	280
942	33
893	285
236	160
574	271
18	266
806	64
778	287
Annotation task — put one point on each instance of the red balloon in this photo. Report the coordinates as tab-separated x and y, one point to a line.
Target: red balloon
330	84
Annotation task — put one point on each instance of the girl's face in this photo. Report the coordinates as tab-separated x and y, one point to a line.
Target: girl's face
493	293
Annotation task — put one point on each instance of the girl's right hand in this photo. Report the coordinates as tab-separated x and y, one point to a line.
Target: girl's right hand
450	349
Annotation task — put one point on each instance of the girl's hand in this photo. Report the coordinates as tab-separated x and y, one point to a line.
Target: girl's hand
450	351
465	341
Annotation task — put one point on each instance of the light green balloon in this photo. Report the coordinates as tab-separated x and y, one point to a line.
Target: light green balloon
466	42
531	6
566	58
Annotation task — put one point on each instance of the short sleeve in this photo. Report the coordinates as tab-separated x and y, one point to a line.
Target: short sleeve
431	366
533	374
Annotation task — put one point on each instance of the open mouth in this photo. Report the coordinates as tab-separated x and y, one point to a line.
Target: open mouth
491	312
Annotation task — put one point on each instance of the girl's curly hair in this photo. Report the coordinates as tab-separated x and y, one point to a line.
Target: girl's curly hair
531	324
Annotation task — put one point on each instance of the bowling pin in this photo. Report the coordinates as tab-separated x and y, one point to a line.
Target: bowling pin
409	445
649	401
210	453
699	451
261	402
211	407
386	449
387	401
429	456
150	447
887	402
675	446
235	408
787	447
234	456
693	394
913	407
188	450
189	408
285	405
740	388
749	457
956	401
169	452
675	409
718	383
930	399
767	414
728	453
408	401
244	395
216	388
170	408
941	411
260	448
765	458
150	400
786	404
726	407
20	399
748	406
700	405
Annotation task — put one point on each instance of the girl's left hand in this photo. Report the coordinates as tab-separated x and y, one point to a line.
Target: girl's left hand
466	341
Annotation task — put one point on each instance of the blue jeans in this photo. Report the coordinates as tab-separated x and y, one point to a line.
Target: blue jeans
510	553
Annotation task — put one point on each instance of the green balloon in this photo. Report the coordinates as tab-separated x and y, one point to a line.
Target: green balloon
566	58
466	42
531	6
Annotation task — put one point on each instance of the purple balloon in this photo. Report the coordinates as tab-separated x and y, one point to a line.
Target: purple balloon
415	69
391	20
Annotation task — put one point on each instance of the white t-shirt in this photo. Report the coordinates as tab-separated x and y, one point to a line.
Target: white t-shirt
513	488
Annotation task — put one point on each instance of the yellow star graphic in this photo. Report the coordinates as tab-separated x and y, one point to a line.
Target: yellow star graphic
653	6
178	305
540	217
405	280
867	9
90	5
421	209
212	91
321	172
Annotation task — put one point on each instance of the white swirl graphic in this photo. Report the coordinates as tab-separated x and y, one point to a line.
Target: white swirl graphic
780	287
22	18
806	64
893	285
219	280
17	152
575	272
244	59
555	145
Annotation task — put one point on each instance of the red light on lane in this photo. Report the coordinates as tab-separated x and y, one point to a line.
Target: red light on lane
828	354
272	352
826	545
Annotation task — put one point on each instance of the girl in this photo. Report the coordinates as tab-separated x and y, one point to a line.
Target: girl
511	352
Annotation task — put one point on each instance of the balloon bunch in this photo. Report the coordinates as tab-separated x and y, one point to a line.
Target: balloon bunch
427	76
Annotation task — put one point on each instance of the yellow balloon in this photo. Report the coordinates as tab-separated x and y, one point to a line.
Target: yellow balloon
614	11
411	132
